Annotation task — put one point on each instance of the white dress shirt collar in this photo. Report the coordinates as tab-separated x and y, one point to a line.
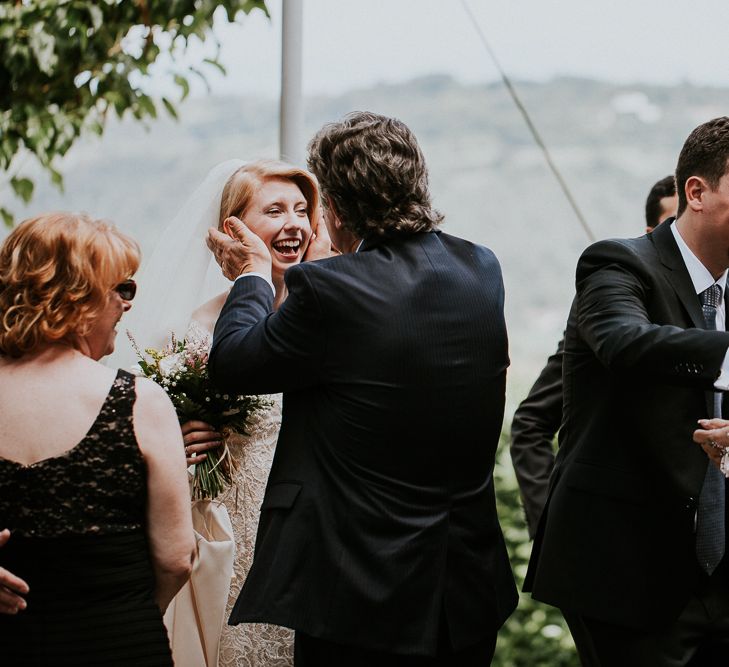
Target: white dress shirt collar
702	279
700	276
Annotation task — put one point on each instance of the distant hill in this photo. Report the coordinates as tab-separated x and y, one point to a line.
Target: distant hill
611	142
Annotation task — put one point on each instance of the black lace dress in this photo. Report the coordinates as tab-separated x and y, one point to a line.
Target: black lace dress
78	539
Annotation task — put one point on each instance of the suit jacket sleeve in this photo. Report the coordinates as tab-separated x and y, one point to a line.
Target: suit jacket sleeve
535	423
257	351
614	289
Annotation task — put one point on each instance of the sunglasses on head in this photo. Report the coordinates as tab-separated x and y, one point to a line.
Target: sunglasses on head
126	290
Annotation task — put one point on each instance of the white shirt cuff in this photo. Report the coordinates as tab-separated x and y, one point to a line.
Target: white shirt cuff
268	280
722	382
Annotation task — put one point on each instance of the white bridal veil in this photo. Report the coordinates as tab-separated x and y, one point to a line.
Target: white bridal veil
179	275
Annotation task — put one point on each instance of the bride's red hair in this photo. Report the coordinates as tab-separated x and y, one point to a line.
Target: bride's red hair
245	181
56	272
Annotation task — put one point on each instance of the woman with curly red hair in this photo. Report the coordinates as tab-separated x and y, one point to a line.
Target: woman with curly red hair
92	474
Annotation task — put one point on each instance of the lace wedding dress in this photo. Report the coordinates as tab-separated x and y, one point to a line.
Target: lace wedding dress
254	644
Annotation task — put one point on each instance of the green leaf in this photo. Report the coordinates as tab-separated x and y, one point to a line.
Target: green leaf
202	77
182	82
56	178
218	65
23	187
170	108
248	6
147	105
7	217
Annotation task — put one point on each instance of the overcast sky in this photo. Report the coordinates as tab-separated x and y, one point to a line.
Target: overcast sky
351	44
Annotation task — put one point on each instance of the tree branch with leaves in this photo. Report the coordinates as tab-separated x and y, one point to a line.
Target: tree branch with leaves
65	65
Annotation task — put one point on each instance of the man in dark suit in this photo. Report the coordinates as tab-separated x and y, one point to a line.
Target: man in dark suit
378	539
632	539
538	417
661	202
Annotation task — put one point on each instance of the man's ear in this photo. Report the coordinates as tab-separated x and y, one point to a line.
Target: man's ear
333	215
695	188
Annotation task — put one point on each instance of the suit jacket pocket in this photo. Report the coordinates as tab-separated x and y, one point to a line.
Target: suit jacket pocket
281	496
614	483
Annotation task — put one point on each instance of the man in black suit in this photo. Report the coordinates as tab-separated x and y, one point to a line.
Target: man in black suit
538	417
378	539
632	539
661	203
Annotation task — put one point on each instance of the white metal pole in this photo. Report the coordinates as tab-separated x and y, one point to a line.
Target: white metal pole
291	117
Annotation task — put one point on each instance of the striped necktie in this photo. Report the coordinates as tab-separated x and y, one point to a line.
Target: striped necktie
710	527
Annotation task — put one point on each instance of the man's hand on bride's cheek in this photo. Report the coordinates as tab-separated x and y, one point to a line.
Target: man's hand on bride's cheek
239	250
199	437
320	245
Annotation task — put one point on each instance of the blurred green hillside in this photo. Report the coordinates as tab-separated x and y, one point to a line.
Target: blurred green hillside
611	142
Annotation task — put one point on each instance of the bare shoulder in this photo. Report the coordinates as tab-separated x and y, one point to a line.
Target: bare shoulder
207	314
155	419
151	393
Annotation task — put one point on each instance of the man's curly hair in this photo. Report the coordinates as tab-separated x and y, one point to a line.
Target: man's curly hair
371	168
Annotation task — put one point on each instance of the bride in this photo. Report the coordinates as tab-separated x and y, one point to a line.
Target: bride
182	290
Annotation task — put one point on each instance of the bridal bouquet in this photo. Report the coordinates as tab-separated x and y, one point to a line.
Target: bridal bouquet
181	368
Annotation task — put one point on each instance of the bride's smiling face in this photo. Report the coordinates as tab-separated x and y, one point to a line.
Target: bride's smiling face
277	214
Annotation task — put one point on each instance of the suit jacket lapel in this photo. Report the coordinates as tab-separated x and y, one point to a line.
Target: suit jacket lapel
677	273
679	277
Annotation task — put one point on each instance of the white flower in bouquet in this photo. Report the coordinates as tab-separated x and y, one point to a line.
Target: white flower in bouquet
171	365
136	369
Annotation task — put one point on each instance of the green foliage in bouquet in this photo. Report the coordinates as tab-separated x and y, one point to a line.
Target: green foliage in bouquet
181	368
535	635
66	65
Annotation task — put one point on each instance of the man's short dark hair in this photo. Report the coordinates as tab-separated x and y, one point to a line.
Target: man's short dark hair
666	187
372	169
705	153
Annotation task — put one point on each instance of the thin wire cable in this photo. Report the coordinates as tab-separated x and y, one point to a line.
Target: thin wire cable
530	125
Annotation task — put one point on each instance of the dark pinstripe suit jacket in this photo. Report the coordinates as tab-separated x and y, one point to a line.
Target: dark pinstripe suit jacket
616	540
379	514
536	422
